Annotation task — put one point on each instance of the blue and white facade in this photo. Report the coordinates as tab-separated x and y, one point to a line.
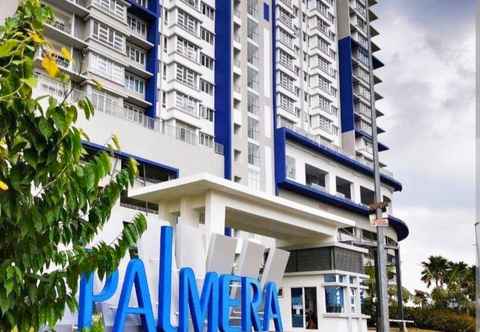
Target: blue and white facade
250	119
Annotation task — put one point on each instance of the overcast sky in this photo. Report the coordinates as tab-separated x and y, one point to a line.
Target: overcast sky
428	47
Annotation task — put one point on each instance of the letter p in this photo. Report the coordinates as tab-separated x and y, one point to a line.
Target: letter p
88	299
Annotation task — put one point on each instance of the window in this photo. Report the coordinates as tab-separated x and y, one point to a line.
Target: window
315	177
186	76
252	128
104	102
137	114
297	307
137	55
208	11
143	3
253	154
344	188
353	299
187	49
334	299
206	87
112	7
107	68
109	36
291	169
367	196
186	103
207	36
137	26
207	113
135	83
286	103
311	319
187	22
254	179
206	140
304	308
206	61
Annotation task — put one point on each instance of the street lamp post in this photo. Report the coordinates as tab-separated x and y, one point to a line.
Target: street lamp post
381	257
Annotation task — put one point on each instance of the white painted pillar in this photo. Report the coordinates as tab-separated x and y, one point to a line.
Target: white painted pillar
356	192
188	215
165	215
214	213
331	183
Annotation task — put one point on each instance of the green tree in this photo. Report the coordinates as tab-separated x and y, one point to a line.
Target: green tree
52	201
435	270
420	298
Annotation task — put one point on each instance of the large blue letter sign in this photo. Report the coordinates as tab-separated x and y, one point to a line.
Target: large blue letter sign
87	299
211	308
199	307
165	287
251	298
272	308
227	303
135	275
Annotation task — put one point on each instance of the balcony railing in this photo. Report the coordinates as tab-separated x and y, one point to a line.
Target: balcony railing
191	3
57	90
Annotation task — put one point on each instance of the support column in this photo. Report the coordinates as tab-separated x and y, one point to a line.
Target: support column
214	214
403	327
187	214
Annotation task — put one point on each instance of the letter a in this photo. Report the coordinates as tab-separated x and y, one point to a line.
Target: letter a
135	275
272	308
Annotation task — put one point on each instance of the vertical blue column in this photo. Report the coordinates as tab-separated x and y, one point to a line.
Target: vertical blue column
346	84
223	81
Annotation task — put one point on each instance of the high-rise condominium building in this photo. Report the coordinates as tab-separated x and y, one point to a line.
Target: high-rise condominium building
249	118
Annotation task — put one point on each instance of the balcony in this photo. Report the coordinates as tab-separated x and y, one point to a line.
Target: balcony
78	7
192	4
287	3
188	108
252	8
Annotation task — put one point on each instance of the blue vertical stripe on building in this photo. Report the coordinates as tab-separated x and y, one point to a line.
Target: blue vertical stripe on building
346	84
266	12
152	16
223	81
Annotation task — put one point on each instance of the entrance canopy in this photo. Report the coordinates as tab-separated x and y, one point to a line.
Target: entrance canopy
218	203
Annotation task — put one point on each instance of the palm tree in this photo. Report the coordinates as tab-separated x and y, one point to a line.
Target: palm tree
435	270
420	298
456	273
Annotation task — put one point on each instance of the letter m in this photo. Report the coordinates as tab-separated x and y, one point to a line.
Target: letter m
199	306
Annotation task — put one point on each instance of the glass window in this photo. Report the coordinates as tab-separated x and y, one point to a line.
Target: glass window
330	278
311	319
334	299
291	171
353	299
297	307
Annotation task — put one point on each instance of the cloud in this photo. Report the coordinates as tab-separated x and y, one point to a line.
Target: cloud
429	105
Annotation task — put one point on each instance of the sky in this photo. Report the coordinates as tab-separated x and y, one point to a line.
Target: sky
428	48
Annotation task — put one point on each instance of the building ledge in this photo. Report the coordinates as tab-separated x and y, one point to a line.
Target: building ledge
397	224
284	134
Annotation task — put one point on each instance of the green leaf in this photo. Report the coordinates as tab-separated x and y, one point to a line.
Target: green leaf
30	81
45	128
8	286
7	47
